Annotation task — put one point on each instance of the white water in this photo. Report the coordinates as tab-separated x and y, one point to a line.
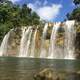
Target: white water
43	50
70	35
4	44
28	45
28	42
23	44
53	48
33	44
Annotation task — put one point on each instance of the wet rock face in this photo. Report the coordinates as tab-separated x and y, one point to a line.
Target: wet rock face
14	42
46	74
77	40
77	45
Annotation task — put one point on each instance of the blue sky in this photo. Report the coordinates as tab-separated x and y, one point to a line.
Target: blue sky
49	10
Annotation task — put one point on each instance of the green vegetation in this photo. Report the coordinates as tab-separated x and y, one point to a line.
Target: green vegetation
14	16
75	14
76	2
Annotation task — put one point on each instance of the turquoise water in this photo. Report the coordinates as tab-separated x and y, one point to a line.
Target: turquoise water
13	68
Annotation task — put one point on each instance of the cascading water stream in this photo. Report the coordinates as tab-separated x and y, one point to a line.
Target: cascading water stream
23	44
28	45
33	44
57	50
43	50
70	35
53	48
4	44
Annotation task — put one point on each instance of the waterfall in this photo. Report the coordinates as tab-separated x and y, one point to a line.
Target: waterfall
4	44
23	43
53	48
43	50
28	45
70	35
33	44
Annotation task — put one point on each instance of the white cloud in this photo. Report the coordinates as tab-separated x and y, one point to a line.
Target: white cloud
49	12
46	12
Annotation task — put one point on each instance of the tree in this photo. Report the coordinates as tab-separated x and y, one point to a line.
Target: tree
15	16
76	2
35	18
75	14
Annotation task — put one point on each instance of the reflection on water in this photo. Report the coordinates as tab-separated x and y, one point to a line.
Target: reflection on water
25	68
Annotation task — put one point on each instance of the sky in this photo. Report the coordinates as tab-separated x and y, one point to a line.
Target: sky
49	10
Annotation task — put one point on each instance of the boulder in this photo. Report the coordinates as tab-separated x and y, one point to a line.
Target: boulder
46	74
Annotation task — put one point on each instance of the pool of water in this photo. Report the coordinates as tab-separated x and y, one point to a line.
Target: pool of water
13	68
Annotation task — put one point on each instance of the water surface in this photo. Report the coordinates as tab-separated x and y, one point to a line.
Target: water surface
13	68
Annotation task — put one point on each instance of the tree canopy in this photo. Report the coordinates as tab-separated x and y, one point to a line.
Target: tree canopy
75	14
76	2
12	16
